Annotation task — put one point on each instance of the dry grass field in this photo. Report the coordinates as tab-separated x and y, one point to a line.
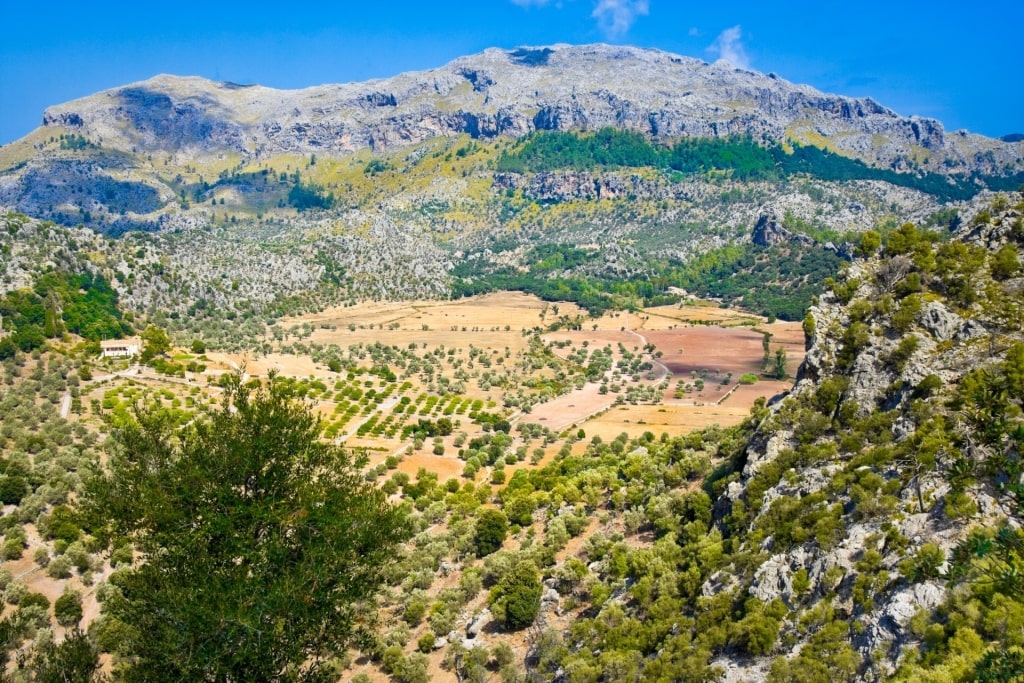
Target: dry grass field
492	321
696	341
658	419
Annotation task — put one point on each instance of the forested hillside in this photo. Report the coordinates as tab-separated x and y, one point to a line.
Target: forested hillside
741	157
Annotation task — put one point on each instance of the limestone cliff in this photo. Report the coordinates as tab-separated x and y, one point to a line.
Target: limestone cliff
510	93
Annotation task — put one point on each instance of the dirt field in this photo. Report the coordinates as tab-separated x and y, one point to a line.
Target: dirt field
720	350
745	395
675	420
480	321
664	316
573	408
694	342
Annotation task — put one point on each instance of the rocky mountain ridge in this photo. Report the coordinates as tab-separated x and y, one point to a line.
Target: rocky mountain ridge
888	454
398	184
509	93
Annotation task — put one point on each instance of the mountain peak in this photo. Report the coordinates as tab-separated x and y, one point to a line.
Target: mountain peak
498	92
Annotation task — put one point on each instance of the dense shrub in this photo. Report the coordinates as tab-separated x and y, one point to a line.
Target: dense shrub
515	600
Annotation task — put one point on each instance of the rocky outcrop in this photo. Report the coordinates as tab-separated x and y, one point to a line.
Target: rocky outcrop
578	185
768	232
862	366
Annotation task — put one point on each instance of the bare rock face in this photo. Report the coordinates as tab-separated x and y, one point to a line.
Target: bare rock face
942	323
510	93
768	231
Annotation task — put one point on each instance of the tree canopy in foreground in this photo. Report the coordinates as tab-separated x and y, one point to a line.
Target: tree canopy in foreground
258	542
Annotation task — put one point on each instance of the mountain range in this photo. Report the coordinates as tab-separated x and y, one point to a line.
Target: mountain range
445	182
126	138
502	93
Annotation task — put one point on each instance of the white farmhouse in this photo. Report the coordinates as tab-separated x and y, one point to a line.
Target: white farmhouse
120	348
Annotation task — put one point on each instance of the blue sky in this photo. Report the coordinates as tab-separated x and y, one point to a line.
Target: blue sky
960	63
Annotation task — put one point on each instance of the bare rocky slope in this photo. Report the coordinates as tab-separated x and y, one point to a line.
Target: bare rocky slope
510	93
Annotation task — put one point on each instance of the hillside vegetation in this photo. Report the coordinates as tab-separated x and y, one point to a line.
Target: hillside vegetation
867	526
741	157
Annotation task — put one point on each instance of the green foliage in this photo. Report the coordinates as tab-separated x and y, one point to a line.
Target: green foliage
854	339
994	557
778	281
156	342
905	240
990	401
1005	262
425	644
587	294
375	166
68	608
83	304
609	147
1001	666
73	141
758	630
305	197
810	326
957	267
779	363
515	600
257	540
870	242
490	531
904	317
924	564
904	351
74	660
828	657
12	489
743	158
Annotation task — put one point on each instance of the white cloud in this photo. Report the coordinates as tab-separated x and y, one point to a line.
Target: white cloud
615	17
729	48
694	31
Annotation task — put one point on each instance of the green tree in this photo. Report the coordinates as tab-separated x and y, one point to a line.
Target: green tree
1005	262
68	608
491	528
779	363
73	660
155	343
515	601
259	541
869	244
